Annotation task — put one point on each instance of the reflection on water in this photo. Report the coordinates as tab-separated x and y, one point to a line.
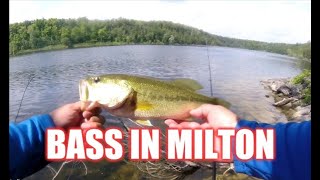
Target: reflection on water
235	75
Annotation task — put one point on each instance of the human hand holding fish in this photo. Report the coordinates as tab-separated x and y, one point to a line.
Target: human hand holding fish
213	116
77	114
141	99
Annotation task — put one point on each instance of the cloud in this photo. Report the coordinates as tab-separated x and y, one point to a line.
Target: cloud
271	21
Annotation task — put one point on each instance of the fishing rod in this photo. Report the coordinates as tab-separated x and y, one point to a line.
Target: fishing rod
30	79
214	166
210	76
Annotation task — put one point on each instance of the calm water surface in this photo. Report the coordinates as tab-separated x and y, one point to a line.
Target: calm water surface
236	76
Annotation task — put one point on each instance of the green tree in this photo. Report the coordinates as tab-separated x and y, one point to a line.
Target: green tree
40	33
66	37
102	35
171	39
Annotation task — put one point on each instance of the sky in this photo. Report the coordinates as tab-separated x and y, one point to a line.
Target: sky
269	21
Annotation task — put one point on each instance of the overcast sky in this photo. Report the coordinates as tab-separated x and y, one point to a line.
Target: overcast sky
271	21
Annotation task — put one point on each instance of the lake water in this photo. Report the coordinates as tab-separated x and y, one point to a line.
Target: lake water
235	75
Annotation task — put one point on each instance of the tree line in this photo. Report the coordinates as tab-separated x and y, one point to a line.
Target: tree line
41	33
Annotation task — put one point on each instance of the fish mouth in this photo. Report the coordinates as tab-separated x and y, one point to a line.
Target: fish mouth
83	90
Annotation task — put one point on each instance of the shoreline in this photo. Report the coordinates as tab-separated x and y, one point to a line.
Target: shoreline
91	45
288	98
106	44
63	47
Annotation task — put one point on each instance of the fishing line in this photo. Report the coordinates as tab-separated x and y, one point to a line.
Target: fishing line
214	167
210	76
30	79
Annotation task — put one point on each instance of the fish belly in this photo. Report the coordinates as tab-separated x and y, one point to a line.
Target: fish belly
165	110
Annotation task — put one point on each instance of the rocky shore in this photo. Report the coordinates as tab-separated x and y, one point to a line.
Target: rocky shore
288	97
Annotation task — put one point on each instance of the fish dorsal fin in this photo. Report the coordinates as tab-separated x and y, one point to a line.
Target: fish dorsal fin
187	83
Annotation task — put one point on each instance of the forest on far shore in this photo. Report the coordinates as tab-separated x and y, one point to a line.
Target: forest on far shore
51	34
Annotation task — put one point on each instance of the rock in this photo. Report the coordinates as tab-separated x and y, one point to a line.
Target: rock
304	107
295	89
290	112
288	97
274	84
278	98
301	118
284	101
300	96
289	105
273	87
284	89
298	108
280	95
296	103
302	111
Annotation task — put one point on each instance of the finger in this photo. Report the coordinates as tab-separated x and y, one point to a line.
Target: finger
205	126
170	122
84	105
202	111
87	114
90	125
179	121
98	119
178	126
92	106
94	112
189	125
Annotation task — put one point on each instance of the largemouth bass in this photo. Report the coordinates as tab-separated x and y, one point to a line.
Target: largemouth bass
143	98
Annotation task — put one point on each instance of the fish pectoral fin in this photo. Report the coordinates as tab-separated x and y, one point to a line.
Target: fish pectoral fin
144	105
187	83
144	122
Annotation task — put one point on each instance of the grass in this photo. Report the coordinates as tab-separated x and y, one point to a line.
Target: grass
304	79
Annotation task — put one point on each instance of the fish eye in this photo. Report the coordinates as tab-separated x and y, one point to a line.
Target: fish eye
96	79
